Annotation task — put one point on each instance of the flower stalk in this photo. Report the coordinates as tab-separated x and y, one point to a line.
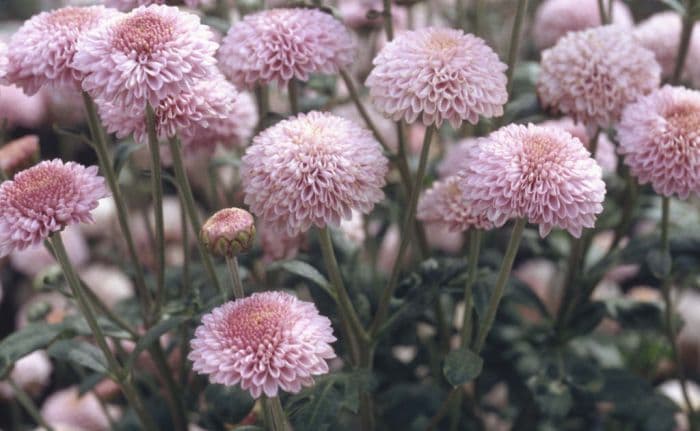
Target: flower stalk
157	191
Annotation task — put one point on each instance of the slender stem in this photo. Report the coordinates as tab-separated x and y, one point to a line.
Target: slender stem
602	12
186	279
514	48
475	237
263	103
223	10
100	144
275	414
26	401
188	199
236	285
388	22
501	282
593	143
3	176
683	48
293	90
478	16
408	224
402	158
569	300
84	306
157	191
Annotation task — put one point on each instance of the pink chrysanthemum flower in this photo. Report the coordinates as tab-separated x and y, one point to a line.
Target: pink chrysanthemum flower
278	245
542	174
456	156
555	18
233	130
438	74
147	55
19	154
582	78
313	169
3	61
605	152
180	114
127	5
278	45
660	140
45	199
267	342
444	203
42	50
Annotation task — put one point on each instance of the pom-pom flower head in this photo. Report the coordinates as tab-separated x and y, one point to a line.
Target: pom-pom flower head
147	55
267	342
438	74
279	45
313	169
660	140
444	203
41	51
228	232
592	74
45	199
3	61
542	174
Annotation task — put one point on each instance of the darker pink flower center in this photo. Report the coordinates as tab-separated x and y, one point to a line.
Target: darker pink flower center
142	33
255	322
539	155
685	118
38	188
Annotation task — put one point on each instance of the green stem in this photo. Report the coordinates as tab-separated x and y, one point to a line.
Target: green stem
263	104
157	190
683	48
87	311
275	414
601	11
408	224
236	285
26	401
293	90
513	49
188	199
501	282
388	22
475	237
99	141
186	280
478	16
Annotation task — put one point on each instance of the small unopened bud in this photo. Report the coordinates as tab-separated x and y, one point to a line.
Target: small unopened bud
229	232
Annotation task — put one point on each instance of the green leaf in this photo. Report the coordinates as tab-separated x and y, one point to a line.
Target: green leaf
122	153
659	263
228	404
80	353
32	337
675	5
553	397
304	270
636	315
586	319
461	366
152	336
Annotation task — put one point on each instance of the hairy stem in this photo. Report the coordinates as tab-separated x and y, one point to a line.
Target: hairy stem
234	273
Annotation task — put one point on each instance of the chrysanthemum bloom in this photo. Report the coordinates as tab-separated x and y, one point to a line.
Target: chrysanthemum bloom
267	342
18	109
176	115
660	141
278	245
444	203
279	45
592	74
438	74
228	232
542	174
456	156
313	169
109	283
147	55
45	199
68	409
42	50
31	373
127	5
555	18
3	61
605	152
34	259
19	154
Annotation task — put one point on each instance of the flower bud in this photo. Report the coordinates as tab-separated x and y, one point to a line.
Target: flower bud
229	232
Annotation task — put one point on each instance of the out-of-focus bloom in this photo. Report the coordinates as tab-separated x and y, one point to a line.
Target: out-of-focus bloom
540	275
660	140
110	284
18	109
279	45
267	342
45	199
582	78
389	249
35	259
3	60
178	114
605	153
444	203
234	130
19	154
228	232
42	50
456	156
65	106
66	408
673	390
354	13
31	373
199	3
542	174
278	245
440	237
127	5
555	18
354	228
438	74
312	170
145	56
105	216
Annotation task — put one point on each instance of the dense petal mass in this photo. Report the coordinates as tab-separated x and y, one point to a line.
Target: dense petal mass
278	45
45	199
42	50
265	343
444	203
605	151
145	56
660	141
3	61
582	79
312	170
436	75
542	174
